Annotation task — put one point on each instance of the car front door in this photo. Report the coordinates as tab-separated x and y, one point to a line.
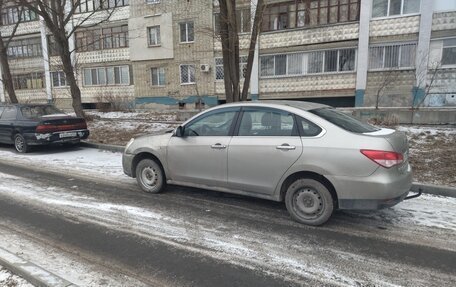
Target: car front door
199	155
267	143
7	121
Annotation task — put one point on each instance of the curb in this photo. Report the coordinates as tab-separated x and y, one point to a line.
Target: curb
434	189
425	188
108	147
31	272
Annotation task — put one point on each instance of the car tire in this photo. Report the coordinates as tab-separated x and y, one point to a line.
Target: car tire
309	201
20	144
150	176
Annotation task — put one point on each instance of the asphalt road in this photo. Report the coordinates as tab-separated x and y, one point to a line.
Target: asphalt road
352	249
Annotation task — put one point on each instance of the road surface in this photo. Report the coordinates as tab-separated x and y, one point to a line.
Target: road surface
73	212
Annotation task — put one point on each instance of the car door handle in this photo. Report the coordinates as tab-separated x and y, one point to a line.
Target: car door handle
218	146
285	147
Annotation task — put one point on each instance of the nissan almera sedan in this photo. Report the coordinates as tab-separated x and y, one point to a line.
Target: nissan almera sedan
314	158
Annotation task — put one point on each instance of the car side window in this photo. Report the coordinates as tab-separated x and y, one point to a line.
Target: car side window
214	124
267	122
307	128
9	113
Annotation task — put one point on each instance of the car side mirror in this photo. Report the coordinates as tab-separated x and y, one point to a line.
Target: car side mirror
179	132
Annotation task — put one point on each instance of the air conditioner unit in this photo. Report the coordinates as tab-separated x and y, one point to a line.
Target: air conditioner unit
205	68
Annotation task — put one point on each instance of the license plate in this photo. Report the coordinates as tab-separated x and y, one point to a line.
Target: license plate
67	135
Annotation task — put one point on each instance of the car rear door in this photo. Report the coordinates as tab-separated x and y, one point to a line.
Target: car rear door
265	146
200	155
7	121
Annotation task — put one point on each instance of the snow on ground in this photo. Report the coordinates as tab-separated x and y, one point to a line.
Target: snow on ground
157	116
8	279
81	161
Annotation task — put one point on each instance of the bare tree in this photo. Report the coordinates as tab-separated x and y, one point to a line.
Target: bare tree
7	79
58	15
230	49
388	78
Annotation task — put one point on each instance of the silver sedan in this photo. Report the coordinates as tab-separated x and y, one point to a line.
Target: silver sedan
311	156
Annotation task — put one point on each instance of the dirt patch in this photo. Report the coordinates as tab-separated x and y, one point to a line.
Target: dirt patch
433	156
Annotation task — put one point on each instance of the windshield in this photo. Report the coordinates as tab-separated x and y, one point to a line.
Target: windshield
34	112
344	121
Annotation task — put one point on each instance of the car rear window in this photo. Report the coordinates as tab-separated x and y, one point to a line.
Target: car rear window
344	121
34	112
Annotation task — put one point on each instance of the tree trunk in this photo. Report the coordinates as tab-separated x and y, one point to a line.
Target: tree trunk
253	40
6	73
230	49
68	69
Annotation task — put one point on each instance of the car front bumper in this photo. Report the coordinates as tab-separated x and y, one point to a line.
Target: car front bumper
127	163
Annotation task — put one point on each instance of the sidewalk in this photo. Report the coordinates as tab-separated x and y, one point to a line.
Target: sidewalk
31	272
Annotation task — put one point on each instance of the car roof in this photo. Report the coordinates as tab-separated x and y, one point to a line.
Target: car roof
302	105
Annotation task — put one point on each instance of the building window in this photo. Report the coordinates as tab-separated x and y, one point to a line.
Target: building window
307	13
25	48
28	81
187	32
83	6
154	35
103	38
58	79
11	15
330	61
243	19
449	52
158	76
107	76
387	8
219	73
187	74
392	56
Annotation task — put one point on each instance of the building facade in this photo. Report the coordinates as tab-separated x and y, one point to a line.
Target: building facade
167	53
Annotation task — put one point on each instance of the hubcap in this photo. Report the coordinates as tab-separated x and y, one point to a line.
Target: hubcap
149	176
19	143
308	202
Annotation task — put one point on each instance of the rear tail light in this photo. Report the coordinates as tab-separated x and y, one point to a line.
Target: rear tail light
384	158
50	128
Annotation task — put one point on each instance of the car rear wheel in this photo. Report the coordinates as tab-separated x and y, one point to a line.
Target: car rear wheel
21	144
150	176
309	201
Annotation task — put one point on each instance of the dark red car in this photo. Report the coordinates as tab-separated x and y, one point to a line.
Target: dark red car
26	125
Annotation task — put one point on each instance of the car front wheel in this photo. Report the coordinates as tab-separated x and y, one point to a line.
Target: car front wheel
309	201
20	144
150	176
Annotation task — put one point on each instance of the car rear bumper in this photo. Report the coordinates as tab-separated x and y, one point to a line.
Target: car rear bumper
384	188
56	137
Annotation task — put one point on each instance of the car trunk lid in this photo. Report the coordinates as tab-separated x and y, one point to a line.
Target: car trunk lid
58	123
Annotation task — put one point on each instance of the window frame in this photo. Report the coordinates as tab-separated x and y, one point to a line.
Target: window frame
306	63
233	125
451	46
401	14
90	40
158	77
157	35
188	71
399	56
61	78
294	131
186	23
94	71
305	9
29	81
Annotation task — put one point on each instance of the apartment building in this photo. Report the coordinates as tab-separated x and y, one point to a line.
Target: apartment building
167	54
